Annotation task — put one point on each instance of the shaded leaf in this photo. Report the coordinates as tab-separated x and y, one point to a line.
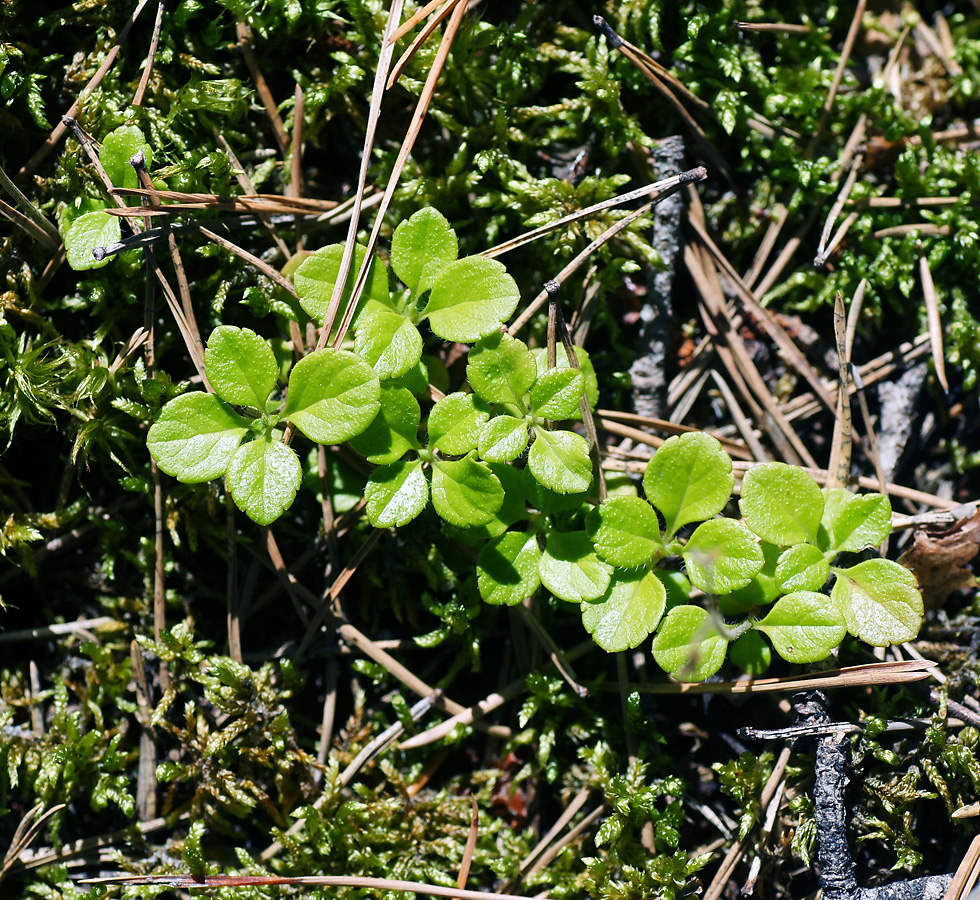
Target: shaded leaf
628	613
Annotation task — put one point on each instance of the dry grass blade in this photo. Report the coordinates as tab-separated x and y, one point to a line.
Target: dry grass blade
762	315
377	93
469	849
845	56
415	126
853	676
773	27
30	211
577	802
742	422
419	40
28	225
839	466
935	323
739	362
911	228
414	20
605	418
349	881
966	872
28	829
249	203
658	187
823	248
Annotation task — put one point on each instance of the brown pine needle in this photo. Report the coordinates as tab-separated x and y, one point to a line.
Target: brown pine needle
418	41
839	467
935	322
414	20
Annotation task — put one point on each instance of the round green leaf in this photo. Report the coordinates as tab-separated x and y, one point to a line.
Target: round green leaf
881	602
689	479
561	362
195	437
855	521
512	510
781	504
241	366
333	396
625	531
688	646
388	340
465	492
628	614
455	423
804	626
501	369
118	148
801	567
557	394
396	494
84	234
316	277
263	479
560	461
424	240
722	556
751	653
470	299
503	439
571	570
507	570
394	430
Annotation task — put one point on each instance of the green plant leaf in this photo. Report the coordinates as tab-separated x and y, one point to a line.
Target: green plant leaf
316	277
500	369
557	394
689	480
263	479
507	570
560	461
84	234
426	240
388	340
455	423
241	366
512	510
465	492
395	494
571	570
394	430
470	298
855	521
688	645
561	362
503	439
628	614
195	437
625	531
801	567
333	396
118	148
804	626
722	556
781	504
751	653
881	601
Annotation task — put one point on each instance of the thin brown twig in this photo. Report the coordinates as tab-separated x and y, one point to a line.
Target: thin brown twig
268	101
150	57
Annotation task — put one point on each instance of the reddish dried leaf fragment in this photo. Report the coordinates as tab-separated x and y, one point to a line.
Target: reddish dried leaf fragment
938	559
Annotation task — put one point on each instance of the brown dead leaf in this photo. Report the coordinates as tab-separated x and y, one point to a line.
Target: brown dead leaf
938	559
